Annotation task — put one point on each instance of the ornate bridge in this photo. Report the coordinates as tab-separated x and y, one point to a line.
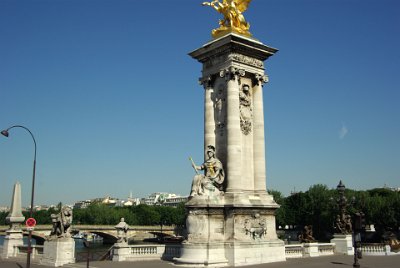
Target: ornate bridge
107	232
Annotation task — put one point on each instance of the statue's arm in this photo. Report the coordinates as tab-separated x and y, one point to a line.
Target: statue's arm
213	5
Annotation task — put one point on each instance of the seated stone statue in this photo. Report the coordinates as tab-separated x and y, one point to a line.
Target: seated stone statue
209	183
307	235
61	223
343	224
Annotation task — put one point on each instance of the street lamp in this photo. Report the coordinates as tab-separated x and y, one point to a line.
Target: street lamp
6	134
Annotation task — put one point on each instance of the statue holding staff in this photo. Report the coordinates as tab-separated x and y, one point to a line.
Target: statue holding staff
211	182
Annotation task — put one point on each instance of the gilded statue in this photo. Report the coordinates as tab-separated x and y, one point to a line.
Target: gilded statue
233	18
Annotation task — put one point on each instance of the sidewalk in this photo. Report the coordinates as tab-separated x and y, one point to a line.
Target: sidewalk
336	261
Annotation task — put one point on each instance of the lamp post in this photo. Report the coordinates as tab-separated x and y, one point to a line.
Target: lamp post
6	134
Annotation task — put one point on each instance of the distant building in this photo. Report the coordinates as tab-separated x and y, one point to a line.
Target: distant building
175	201
129	202
163	199
159	199
82	204
4	209
110	201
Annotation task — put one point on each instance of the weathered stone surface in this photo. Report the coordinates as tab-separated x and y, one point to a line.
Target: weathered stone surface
58	252
344	244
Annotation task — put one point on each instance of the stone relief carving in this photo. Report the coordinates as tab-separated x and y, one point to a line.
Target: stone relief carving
220	111
256	226
246	60
211	182
246	110
61	224
222	58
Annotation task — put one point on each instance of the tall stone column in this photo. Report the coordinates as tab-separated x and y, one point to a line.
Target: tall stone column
259	137
234	143
209	124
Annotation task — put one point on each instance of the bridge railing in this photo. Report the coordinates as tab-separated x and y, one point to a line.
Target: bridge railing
37	251
309	250
377	249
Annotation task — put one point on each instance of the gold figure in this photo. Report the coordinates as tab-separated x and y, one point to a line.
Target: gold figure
233	18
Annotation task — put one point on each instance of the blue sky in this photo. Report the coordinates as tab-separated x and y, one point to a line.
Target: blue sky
112	98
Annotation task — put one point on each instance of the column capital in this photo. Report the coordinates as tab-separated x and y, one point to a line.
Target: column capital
260	79
207	81
232	73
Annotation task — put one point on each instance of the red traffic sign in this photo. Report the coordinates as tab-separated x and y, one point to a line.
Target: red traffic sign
31	222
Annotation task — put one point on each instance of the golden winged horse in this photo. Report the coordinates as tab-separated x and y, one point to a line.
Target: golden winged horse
233	18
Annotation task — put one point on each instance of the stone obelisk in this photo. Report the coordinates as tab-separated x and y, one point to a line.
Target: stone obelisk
14	236
231	217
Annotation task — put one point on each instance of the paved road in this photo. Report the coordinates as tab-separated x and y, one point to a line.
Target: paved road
336	261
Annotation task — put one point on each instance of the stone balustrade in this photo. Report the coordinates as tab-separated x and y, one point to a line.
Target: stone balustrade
169	251
376	249
37	250
309	250
294	251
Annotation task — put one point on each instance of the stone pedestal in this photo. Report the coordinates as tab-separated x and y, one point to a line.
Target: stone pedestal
311	250
12	240
222	233
344	244
58	252
121	252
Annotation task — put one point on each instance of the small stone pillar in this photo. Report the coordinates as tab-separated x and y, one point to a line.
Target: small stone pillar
344	244
14	236
311	250
121	249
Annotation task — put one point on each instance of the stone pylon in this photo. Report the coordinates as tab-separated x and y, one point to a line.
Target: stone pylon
14	236
234	224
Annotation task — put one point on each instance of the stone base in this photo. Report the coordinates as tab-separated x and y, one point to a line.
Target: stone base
121	252
202	254
11	242
231	254
344	244
58	252
232	230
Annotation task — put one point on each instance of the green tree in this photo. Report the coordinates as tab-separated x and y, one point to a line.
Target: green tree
146	215
280	212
